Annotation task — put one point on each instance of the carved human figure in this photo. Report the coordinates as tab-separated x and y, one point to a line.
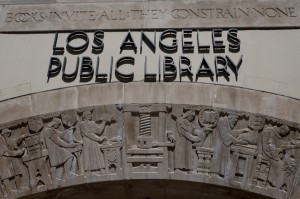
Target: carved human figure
271	140
91	136
280	161
289	168
60	158
9	171
256	125
19	167
187	134
225	135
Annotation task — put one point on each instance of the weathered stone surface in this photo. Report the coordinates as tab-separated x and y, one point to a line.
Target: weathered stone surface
145	93
281	106
8	2
240	99
151	14
257	102
150	139
70	16
94	95
175	93
15	91
193	143
178	93
179	131
56	100
15	109
261	69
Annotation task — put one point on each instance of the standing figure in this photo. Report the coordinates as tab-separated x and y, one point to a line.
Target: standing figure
8	173
58	154
92	155
225	135
20	169
187	134
280	161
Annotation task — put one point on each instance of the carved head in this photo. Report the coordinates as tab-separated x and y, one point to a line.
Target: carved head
256	122
284	130
6	133
87	116
192	116
281	155
55	123
189	115
232	120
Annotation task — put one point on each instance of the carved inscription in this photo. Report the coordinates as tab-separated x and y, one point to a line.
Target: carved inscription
153	14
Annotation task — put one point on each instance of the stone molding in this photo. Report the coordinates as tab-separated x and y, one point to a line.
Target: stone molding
273	105
67	16
219	146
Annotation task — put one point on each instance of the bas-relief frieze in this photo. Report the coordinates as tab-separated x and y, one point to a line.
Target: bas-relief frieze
150	141
114	15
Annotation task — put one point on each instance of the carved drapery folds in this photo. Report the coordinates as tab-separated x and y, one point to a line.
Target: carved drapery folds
157	141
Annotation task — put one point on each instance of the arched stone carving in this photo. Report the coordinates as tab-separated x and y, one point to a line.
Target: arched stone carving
158	141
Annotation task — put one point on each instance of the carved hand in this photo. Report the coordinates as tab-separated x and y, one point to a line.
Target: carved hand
291	142
171	138
245	130
20	152
207	130
72	145
237	141
103	139
116	139
77	141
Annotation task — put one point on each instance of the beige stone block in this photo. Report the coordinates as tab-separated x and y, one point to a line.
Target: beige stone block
100	94
90	1
74	15
25	2
237	98
189	93
1	8
15	109
71	16
56	100
254	73
226	13
15	91
280	107
140	92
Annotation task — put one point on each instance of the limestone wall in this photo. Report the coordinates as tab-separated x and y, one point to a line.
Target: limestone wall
268	60
202	133
162	102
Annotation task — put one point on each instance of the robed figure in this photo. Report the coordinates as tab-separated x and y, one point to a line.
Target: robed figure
225	136
282	166
187	134
8	172
58	154
91	136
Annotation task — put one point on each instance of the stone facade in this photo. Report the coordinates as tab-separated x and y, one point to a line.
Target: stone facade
151	137
248	151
